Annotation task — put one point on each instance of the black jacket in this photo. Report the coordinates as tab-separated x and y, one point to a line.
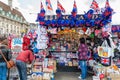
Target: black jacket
6	52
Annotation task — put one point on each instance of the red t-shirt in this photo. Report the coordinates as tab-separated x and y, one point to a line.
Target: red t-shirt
26	56
26	43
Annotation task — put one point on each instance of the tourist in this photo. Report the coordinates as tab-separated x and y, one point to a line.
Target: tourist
83	57
21	60
7	54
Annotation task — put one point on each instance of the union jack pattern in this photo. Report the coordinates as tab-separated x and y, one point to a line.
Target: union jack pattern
48	4
107	4
105	61
41	6
95	6
60	7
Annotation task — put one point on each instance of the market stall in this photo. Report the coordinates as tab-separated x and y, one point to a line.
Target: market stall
58	37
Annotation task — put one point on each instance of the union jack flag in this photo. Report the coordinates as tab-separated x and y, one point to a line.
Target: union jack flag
60	7
32	34
107	4
95	6
75	6
105	61
48	4
41	6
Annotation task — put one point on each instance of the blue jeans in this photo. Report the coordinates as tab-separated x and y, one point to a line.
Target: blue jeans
3	71
83	66
22	69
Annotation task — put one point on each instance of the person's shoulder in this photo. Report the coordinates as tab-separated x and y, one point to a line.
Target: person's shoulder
29	51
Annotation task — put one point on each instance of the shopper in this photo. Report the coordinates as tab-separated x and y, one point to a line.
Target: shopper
21	60
82	56
8	55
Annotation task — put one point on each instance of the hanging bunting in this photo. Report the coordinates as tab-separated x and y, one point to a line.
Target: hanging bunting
91	18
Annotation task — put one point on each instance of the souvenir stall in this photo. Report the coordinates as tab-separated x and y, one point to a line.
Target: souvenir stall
43	68
64	32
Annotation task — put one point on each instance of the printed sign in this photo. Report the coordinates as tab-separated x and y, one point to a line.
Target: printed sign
16	44
104	51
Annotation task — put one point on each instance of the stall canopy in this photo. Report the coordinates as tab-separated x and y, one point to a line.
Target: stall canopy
74	20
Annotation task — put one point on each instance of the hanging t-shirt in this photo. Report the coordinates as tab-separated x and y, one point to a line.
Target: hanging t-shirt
26	43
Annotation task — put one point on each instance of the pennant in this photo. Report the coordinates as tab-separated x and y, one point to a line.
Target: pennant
48	4
60	7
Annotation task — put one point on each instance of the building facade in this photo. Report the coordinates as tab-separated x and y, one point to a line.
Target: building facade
11	20
33	26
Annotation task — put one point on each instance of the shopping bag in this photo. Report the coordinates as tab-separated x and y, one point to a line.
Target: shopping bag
104	51
106	61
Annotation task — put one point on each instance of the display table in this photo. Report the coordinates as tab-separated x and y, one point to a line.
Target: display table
67	61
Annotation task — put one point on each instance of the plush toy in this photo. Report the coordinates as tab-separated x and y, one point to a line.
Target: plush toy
101	76
115	67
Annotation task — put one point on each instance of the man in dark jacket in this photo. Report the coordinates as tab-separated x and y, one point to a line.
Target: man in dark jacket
7	53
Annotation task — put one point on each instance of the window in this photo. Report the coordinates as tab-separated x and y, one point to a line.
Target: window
6	30
7	25
9	12
1	9
21	19
14	17
3	13
11	16
14	31
11	26
6	14
11	31
17	31
3	24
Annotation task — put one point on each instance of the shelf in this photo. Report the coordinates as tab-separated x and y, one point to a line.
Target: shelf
38	63
62	51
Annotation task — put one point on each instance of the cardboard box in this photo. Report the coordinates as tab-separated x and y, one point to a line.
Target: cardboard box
114	76
46	76
96	78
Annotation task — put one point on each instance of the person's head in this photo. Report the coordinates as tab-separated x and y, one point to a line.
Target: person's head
82	40
3	41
